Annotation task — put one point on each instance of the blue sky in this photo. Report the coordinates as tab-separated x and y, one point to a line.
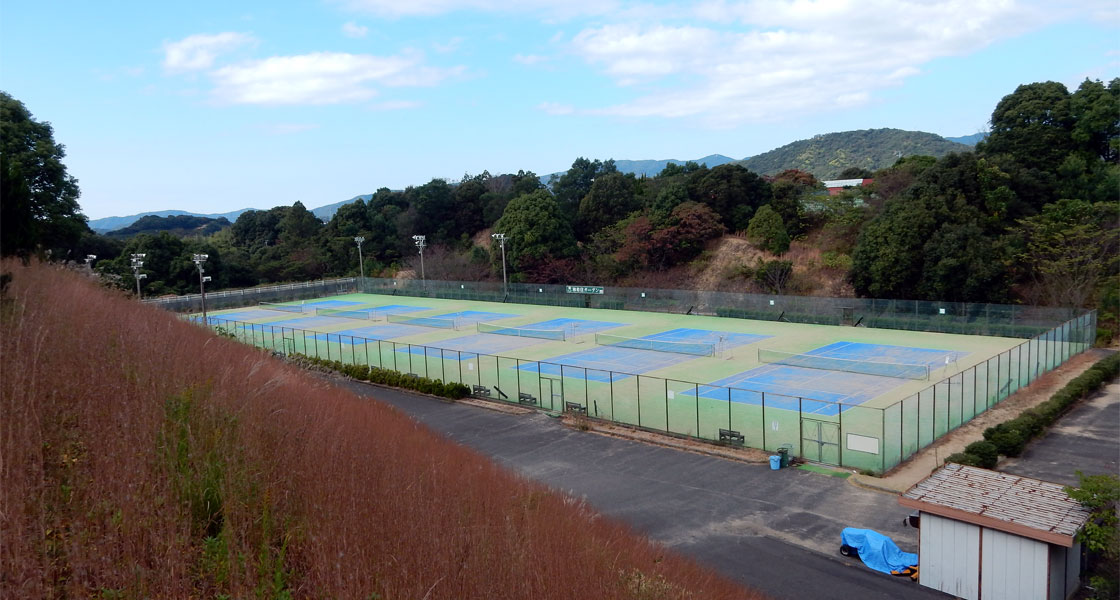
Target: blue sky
215	106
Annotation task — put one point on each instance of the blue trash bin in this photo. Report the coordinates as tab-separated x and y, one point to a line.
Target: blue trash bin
775	463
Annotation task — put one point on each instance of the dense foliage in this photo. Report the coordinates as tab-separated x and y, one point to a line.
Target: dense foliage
1029	216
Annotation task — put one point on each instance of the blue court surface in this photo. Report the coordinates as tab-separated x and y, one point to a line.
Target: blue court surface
470	346
785	384
373	332
470	317
614	363
396	309
574	327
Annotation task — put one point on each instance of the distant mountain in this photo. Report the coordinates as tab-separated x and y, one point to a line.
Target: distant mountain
968	140
826	155
180	225
326	213
649	168
108	224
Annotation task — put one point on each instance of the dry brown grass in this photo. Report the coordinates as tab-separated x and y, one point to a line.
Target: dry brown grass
141	456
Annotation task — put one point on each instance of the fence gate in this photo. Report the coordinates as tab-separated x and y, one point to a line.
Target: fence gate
554	388
820	441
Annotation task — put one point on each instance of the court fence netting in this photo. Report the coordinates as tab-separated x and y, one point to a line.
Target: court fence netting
855	436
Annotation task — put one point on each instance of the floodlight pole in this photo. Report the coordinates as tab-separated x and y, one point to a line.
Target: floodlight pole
420	243
501	237
358	240
137	262
198	260
89	260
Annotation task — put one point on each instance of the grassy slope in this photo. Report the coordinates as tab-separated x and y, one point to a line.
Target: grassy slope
142	457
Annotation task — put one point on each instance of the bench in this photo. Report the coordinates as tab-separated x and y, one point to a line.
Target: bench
574	407
481	390
732	436
524	398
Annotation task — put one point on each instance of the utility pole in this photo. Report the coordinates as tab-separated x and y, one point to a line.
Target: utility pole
137	262
198	260
420	243
358	240
501	237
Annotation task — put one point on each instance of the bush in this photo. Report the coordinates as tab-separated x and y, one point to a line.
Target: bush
985	452
964	458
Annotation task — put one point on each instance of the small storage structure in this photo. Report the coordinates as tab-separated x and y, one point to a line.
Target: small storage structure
986	535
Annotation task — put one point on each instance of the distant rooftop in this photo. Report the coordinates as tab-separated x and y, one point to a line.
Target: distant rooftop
1023	506
842	183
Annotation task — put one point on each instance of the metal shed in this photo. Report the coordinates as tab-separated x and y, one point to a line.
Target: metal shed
986	535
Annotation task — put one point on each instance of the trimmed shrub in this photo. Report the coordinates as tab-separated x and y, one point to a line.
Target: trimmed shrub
964	458
986	453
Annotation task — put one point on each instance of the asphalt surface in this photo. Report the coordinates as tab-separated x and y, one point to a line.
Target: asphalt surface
1086	439
775	531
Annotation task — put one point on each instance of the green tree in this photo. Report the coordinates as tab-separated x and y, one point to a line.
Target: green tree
1101	535
612	197
573	185
887	260
40	199
1095	110
732	191
1034	125
1068	249
536	231
767	231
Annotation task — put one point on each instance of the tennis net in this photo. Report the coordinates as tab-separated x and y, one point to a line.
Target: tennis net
693	348
544	334
365	315
292	308
424	321
828	363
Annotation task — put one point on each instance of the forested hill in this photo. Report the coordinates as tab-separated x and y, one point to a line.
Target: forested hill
181	225
825	156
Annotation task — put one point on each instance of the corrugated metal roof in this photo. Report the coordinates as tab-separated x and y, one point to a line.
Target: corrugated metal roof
1020	505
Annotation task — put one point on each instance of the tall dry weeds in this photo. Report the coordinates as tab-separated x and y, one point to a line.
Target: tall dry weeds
141	456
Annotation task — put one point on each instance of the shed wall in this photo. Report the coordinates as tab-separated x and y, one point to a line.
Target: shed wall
1073	569
1013	567
950	556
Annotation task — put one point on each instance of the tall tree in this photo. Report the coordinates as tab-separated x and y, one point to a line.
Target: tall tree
611	198
1034	124
40	199
572	186
732	191
536	231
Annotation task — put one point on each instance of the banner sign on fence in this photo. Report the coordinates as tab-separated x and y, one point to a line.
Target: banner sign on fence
584	289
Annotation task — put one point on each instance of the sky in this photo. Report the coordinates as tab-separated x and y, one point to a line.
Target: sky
213	106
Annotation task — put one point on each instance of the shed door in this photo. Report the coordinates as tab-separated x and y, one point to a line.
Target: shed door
949	556
1014	567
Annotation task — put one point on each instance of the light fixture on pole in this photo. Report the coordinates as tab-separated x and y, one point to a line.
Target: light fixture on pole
198	260
89	260
501	237
358	240
137	262
420	243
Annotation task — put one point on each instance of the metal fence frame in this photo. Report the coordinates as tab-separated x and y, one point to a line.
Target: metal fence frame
898	431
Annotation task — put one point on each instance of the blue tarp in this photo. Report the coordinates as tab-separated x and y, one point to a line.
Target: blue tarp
878	551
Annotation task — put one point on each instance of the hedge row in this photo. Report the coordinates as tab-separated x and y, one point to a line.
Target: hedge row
435	387
1010	437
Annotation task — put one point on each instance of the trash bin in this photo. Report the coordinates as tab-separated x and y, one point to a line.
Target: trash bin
775	463
783	453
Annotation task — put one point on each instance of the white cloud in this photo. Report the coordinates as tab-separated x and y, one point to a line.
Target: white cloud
553	9
766	59
320	78
394	105
288	128
352	29
553	108
198	52
529	59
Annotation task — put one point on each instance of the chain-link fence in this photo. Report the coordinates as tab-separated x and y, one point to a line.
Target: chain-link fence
284	292
859	437
916	315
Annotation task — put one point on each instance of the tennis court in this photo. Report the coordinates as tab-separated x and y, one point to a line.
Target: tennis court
857	396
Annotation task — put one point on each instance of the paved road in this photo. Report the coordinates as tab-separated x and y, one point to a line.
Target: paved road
777	531
1086	438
